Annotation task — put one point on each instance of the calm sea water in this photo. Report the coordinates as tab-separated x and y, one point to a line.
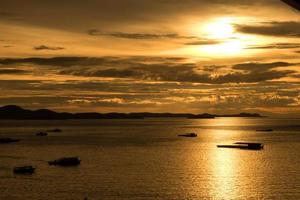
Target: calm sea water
144	159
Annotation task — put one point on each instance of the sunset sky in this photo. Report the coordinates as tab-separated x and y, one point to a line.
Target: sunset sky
195	56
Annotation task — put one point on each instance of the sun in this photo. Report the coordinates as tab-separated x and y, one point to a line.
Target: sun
228	41
220	29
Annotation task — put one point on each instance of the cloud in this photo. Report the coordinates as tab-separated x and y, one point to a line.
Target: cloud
157	69
276	46
253	77
188	40
12	71
200	42
127	96
256	66
187	72
275	28
44	47
58	61
90	61
139	36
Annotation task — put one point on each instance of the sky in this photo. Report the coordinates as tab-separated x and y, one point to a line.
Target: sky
191	56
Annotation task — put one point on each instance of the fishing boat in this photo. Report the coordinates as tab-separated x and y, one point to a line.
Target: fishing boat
66	161
24	170
56	130
8	140
188	135
42	134
244	145
264	130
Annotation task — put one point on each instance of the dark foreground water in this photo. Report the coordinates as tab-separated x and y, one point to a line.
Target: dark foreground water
144	159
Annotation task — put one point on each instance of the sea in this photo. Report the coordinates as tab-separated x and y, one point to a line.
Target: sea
144	159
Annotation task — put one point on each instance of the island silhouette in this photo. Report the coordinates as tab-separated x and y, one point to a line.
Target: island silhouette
18	113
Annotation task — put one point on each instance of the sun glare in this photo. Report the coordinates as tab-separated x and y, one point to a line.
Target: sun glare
220	29
223	49
229	42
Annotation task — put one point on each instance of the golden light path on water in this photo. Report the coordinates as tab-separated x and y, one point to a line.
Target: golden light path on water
224	163
224	171
233	173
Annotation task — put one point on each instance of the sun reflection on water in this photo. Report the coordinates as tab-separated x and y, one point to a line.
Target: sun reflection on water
224	168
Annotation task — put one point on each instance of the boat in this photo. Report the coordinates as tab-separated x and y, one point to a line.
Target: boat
188	135
24	170
8	140
66	161
56	130
41	134
244	145
264	130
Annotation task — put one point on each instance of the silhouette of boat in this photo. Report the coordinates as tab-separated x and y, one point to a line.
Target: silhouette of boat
8	140
188	135
66	161
41	134
244	145
24	170
264	130
56	130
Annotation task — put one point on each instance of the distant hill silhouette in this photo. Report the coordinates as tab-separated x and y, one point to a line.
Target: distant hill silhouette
18	113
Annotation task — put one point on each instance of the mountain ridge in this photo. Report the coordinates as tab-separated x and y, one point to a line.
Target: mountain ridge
19	113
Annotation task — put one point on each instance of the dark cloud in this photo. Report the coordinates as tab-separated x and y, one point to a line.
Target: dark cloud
139	36
44	47
127	96
277	46
203	42
188	40
158	69
90	61
12	71
39	101
278	29
58	61
17	84
187	72
253	77
256	66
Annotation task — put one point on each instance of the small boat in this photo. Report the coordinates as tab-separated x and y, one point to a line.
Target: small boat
264	130
244	145
66	161
41	134
188	135
56	130
8	140
24	170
